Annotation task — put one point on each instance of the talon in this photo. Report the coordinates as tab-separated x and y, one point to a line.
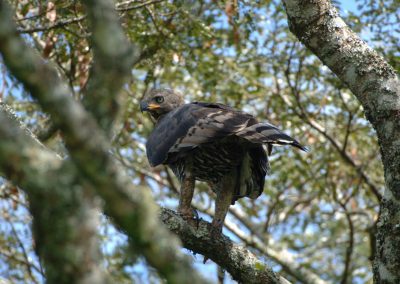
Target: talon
196	218
216	228
186	214
190	216
195	214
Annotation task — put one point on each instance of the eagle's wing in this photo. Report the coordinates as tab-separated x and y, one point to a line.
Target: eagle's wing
193	124
267	133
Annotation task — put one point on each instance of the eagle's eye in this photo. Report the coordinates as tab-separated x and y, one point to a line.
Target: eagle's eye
159	99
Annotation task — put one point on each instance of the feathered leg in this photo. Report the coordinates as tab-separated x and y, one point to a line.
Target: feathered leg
186	194
185	199
222	203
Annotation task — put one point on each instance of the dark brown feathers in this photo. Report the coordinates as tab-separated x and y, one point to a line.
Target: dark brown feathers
220	141
190	126
194	124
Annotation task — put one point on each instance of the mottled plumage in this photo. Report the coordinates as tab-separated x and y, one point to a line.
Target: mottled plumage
213	143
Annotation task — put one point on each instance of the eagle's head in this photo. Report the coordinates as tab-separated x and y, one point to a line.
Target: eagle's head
161	101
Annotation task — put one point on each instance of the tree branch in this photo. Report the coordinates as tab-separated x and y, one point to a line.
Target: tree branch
238	261
113	58
120	7
64	224
59	24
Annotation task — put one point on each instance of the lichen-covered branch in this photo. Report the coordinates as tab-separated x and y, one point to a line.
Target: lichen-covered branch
376	85
113	57
132	210
237	260
64	222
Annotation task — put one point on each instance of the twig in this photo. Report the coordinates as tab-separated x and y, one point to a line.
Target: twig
303	114
56	25
126	3
65	22
27	263
349	249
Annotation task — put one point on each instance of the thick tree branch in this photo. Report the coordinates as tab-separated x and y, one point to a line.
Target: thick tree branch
113	58
238	261
377	87
133	210
65	228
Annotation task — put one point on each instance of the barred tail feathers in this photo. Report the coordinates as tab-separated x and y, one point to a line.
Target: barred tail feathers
268	133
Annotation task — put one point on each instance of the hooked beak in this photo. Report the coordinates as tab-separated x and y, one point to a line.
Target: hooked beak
144	106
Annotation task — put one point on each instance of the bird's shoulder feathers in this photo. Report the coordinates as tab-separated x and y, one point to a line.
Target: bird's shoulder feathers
191	125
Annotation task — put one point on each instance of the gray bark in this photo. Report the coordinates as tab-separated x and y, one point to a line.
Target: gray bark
113	60
376	85
65	229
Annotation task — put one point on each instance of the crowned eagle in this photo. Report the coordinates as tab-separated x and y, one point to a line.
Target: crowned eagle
210	142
